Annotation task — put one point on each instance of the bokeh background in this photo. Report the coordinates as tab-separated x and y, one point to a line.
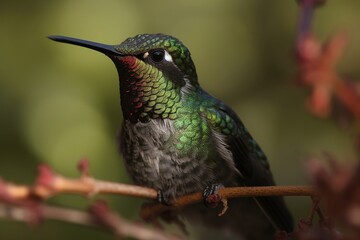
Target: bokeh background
60	103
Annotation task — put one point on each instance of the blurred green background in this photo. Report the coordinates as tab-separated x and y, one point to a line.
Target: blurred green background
60	103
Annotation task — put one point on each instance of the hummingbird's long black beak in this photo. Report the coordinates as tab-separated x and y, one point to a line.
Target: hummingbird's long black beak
104	48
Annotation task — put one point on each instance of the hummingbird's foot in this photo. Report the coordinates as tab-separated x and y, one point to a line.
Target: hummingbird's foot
211	195
163	199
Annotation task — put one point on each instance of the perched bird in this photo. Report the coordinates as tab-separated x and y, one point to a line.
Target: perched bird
179	139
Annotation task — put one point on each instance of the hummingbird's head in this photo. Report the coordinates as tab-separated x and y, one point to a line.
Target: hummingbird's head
155	72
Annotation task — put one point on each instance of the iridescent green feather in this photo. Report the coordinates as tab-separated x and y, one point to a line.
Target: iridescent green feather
145	42
194	127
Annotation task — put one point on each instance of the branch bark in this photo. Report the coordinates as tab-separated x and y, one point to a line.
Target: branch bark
150	211
49	184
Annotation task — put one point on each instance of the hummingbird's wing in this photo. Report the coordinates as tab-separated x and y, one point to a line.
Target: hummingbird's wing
251	162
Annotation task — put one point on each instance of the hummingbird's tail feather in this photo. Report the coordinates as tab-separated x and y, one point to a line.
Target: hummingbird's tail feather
273	207
277	213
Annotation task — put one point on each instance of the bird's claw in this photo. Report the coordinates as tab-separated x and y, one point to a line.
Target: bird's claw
211	195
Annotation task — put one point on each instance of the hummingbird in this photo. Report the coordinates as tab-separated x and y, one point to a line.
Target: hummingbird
178	139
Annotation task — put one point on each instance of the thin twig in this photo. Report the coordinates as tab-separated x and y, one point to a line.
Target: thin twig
101	218
121	227
22	214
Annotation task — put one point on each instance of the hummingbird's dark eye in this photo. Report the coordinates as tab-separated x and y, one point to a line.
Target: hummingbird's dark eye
157	55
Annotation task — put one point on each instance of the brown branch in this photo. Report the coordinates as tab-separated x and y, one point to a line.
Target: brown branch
150	211
88	186
49	184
